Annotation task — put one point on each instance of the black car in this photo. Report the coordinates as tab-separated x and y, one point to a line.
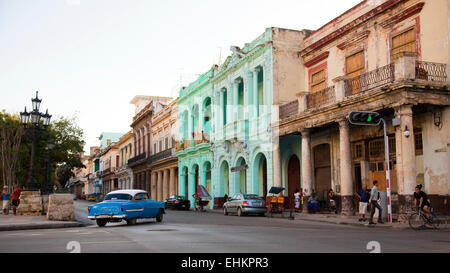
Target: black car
177	202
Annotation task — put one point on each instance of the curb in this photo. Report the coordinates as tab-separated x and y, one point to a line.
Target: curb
41	226
388	226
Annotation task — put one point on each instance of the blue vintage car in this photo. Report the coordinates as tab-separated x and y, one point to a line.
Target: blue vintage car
128	205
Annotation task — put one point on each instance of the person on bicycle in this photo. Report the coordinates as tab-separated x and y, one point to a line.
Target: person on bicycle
421	200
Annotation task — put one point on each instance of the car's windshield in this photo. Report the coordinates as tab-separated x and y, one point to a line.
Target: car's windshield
118	196
251	196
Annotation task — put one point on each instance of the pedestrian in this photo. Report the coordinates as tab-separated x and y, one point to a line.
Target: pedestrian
15	198
332	201
313	203
364	196
5	196
297	199
374	197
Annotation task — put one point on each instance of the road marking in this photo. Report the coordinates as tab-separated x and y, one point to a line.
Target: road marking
107	242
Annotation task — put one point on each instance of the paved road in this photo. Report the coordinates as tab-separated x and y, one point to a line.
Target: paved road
183	231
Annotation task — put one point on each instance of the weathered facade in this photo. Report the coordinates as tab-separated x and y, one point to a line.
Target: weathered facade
146	106
386	56
163	161
110	159
123	172
248	88
193	147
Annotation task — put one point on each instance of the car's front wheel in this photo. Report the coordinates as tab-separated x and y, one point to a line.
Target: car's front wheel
101	222
131	221
159	217
225	212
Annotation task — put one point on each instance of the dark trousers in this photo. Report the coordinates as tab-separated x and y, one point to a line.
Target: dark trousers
375	205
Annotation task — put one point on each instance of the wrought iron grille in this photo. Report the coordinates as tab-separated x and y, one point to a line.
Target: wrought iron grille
369	80
322	97
431	71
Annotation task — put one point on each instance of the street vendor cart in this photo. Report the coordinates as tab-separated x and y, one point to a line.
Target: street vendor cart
202	198
276	203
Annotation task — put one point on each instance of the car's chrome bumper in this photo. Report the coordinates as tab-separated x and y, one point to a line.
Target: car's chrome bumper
107	216
254	209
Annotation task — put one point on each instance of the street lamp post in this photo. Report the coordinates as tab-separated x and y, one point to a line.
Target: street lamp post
32	121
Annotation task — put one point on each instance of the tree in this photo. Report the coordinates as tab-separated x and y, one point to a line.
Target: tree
69	143
15	149
11	132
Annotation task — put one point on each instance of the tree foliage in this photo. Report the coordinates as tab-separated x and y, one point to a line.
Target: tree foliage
59	160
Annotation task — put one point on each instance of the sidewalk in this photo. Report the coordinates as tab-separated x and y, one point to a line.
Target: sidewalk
11	222
332	219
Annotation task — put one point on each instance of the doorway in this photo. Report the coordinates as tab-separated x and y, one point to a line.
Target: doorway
322	170
293	178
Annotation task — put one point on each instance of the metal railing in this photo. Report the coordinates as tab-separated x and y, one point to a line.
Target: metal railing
369	80
431	71
160	156
136	158
320	98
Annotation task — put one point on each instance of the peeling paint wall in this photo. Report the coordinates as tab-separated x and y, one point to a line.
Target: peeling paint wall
436	154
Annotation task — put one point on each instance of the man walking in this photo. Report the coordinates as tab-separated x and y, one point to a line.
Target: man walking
364	196
374	197
15	198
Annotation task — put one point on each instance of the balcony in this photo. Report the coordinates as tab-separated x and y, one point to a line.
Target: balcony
160	156
406	69
320	98
136	159
367	81
434	72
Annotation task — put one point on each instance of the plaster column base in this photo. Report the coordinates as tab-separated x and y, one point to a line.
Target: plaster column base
347	205
405	207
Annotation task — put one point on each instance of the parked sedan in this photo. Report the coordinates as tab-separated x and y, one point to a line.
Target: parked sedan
128	205
178	202
244	204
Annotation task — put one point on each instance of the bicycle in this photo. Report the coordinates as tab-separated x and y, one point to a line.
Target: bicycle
419	220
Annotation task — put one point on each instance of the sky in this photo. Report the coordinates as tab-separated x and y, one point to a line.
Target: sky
89	58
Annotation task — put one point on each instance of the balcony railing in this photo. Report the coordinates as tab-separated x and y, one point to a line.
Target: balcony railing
370	80
322	97
137	158
431	71
288	109
160	156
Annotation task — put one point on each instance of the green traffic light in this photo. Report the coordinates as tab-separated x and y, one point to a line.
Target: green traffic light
369	119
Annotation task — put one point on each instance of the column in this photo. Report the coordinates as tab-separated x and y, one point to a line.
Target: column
255	91
148	181
345	168
192	188
249	95
265	91
276	162
306	166
172	182
202	177
182	184
165	185
159	186
235	92
406	163
153	186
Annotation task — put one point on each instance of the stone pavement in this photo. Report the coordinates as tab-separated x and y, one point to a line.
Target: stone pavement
11	222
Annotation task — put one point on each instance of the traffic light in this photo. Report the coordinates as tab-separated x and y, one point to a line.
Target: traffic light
364	118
